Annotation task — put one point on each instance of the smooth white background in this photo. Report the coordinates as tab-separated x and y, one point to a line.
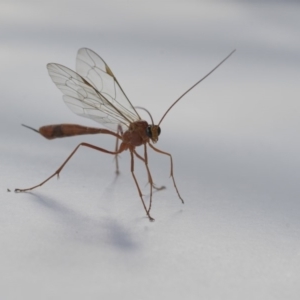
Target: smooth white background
234	140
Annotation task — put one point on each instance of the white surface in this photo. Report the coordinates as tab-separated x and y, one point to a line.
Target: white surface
234	140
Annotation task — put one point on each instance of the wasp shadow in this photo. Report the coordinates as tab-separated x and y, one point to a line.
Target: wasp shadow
84	228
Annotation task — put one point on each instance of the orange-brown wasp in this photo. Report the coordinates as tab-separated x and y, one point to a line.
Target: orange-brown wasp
95	93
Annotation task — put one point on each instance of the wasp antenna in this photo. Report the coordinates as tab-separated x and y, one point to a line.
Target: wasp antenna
147	111
216	67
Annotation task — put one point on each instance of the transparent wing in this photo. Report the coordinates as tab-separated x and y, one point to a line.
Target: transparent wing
86	101
94	70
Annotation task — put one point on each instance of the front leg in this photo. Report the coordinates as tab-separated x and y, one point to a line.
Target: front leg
149	180
172	175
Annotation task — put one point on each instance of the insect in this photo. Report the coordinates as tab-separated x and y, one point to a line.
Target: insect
94	92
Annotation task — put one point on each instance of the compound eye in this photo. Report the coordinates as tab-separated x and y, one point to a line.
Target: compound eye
158	131
149	132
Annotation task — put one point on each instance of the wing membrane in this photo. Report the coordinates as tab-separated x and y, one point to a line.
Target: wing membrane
83	98
95	71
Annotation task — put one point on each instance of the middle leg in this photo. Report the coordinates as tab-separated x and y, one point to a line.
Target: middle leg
137	185
119	131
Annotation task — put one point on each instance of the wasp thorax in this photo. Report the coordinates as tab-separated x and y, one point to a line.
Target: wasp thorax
153	131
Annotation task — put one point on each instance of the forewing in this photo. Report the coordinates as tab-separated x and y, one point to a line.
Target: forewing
84	100
95	70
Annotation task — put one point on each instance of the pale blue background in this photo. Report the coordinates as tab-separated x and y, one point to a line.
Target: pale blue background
234	140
